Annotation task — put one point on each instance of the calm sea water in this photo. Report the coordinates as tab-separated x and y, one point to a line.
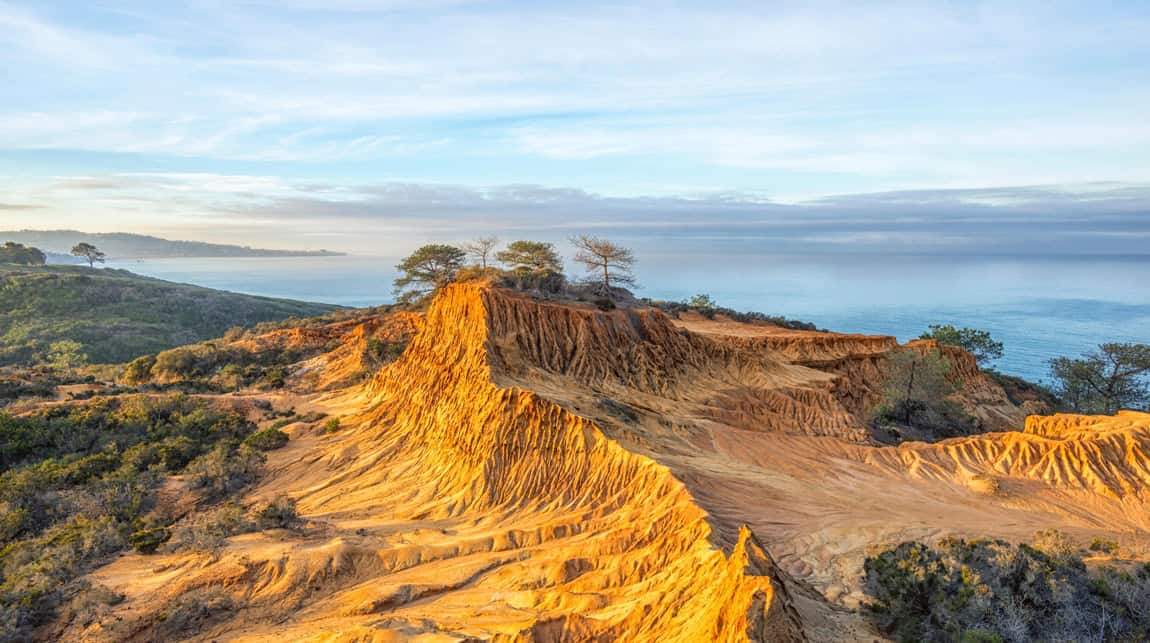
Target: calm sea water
1040	307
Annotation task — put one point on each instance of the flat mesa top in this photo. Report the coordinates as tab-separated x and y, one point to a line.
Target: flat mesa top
723	325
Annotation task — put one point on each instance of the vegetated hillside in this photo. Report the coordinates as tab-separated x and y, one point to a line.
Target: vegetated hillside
116	315
545	471
123	245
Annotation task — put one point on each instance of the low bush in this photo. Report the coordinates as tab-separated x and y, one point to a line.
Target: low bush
78	482
543	282
1104	546
267	440
280	513
207	530
213	366
383	352
14	389
37	573
987	590
188	614
935	419
147	541
604	303
225	469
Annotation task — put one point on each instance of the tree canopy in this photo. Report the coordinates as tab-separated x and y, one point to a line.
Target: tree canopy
536	256
605	260
976	342
426	270
89	252
12	252
1114	377
701	301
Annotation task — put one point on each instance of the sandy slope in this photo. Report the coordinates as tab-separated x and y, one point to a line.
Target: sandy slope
541	471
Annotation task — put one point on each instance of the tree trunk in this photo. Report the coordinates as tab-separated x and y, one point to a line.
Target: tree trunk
606	278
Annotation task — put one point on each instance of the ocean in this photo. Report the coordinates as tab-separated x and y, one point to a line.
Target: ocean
1039	307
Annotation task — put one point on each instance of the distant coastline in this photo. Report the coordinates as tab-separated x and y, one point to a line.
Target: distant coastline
122	245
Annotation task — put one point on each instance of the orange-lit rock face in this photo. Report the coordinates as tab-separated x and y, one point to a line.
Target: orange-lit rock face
535	471
1107	456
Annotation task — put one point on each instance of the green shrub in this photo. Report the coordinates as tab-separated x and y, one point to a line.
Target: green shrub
604	303
267	439
382	351
702	303
208	530
1104	546
191	612
225	470
280	513
993	591
147	541
14	389
38	572
274	377
312	416
77	480
545	281
332	425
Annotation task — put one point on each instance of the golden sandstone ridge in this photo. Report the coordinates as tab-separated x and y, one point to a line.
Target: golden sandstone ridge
540	471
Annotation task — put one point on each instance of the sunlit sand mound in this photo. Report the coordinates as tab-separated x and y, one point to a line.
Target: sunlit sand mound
452	508
1106	455
360	348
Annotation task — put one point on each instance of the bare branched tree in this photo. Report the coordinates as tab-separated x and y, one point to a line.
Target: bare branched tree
605	260
480	249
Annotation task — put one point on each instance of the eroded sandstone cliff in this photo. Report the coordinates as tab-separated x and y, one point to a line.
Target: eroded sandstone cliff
542	471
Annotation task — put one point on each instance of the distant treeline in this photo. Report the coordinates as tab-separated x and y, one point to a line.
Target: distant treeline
17	253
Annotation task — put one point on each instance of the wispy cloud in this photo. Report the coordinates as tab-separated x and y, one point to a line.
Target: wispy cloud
797	99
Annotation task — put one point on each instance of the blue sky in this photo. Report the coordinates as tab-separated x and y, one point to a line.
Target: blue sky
344	122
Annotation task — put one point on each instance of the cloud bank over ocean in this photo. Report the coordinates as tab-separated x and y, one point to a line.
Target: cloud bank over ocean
1098	218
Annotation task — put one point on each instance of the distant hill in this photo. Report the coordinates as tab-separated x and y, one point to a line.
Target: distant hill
123	245
117	315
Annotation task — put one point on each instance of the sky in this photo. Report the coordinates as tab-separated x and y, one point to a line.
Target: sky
373	125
